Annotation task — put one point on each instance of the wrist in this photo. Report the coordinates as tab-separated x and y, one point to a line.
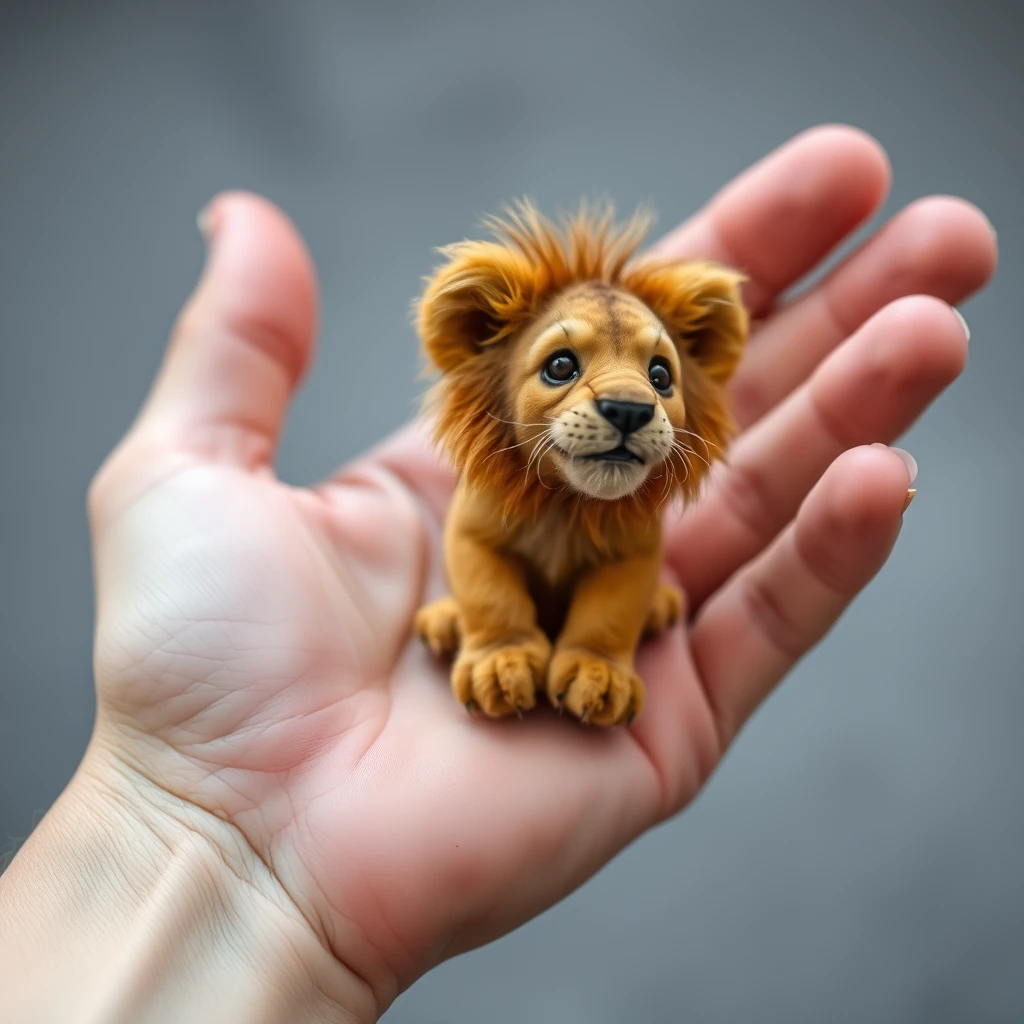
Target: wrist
129	904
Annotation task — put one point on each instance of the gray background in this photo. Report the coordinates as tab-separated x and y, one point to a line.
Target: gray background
860	856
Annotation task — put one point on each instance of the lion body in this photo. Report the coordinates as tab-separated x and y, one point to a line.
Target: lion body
553	540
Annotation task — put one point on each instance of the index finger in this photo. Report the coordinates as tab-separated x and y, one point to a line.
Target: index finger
788	211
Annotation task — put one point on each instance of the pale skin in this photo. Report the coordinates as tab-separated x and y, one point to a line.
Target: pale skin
280	814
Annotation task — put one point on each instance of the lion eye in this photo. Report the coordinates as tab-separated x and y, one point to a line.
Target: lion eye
661	375
561	368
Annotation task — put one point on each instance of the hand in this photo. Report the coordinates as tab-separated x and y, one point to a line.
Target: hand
254	651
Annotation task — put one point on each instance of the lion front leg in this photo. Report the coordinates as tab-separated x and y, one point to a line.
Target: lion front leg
591	673
490	625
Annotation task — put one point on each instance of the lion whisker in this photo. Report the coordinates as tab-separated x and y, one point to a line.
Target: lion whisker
684	455
708	445
670	478
674	478
517	423
540	479
540	449
692	451
509	448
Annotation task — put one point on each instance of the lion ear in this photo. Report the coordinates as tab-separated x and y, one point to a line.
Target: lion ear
478	298
701	305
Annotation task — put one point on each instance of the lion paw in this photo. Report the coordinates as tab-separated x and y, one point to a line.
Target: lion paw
666	609
437	625
594	689
501	679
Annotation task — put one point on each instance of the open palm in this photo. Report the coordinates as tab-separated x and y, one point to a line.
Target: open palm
254	653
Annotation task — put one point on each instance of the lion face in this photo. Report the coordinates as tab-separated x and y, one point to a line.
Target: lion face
573	374
595	391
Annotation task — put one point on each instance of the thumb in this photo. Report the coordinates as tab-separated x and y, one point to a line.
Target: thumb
242	342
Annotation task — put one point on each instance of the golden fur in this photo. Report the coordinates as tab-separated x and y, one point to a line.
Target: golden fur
553	537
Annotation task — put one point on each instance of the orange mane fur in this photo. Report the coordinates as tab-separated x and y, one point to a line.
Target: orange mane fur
489	291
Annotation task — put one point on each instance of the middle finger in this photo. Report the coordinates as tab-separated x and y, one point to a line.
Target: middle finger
938	246
870	389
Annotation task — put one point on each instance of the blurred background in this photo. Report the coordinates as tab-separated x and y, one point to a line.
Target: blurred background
860	855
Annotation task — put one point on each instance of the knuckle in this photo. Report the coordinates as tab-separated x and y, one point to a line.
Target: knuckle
773	618
749	396
747	493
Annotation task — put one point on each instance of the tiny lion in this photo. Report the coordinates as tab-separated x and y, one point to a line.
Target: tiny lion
582	387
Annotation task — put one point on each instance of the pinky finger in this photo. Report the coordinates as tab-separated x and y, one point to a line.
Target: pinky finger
771	613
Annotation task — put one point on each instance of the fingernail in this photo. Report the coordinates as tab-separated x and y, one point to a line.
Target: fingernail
963	322
909	498
908	460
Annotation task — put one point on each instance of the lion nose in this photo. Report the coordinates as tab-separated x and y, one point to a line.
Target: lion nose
625	416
